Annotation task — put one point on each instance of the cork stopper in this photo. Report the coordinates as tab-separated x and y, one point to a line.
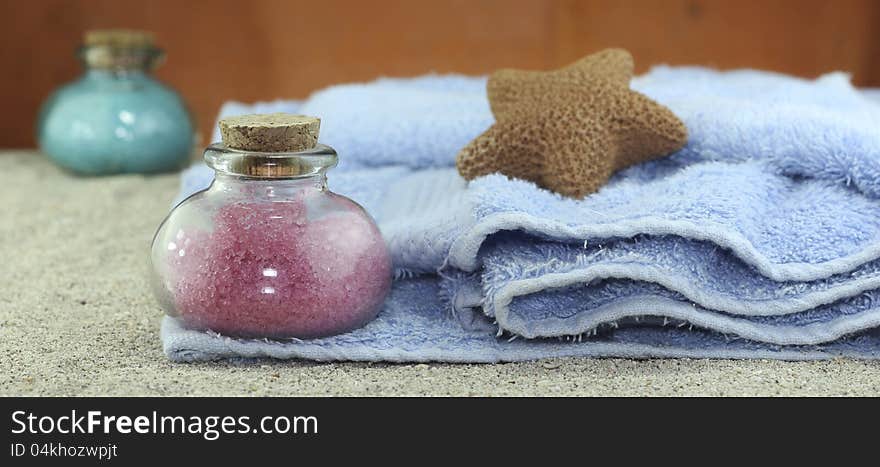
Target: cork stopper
278	132
119	38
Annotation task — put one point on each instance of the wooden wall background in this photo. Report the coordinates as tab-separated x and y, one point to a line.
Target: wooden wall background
264	49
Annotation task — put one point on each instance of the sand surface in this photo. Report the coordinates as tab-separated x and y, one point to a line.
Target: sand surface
77	318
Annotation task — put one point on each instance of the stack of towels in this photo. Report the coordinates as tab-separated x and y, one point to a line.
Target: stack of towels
759	239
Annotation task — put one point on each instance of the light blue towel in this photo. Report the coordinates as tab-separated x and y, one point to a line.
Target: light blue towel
814	128
414	326
736	246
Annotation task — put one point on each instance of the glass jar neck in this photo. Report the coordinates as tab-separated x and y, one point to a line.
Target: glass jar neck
103	60
278	189
100	74
310	164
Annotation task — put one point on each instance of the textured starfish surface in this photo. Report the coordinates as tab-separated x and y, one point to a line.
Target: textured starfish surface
569	130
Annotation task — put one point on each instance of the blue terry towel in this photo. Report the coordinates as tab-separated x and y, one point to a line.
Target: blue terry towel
732	247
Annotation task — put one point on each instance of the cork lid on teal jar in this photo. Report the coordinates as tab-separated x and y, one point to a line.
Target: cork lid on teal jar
116	117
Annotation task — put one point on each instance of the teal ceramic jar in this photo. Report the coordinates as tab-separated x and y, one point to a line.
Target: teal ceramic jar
116	118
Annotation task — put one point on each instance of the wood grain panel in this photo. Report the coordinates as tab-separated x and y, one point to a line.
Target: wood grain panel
804	37
266	49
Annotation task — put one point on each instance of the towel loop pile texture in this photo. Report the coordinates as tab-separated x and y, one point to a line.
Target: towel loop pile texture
759	239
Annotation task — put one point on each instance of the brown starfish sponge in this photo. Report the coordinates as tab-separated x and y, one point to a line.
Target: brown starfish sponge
570	129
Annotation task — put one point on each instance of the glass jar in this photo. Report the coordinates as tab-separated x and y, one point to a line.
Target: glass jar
116	118
268	251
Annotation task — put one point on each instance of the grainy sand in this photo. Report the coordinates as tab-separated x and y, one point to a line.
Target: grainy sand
77	318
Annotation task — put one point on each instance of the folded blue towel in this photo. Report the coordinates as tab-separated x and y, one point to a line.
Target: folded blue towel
760	238
812	128
414	326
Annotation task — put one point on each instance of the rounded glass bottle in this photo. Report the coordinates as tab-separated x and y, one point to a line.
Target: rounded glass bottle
116	118
268	251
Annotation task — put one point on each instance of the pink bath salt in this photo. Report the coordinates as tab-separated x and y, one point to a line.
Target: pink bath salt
282	269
